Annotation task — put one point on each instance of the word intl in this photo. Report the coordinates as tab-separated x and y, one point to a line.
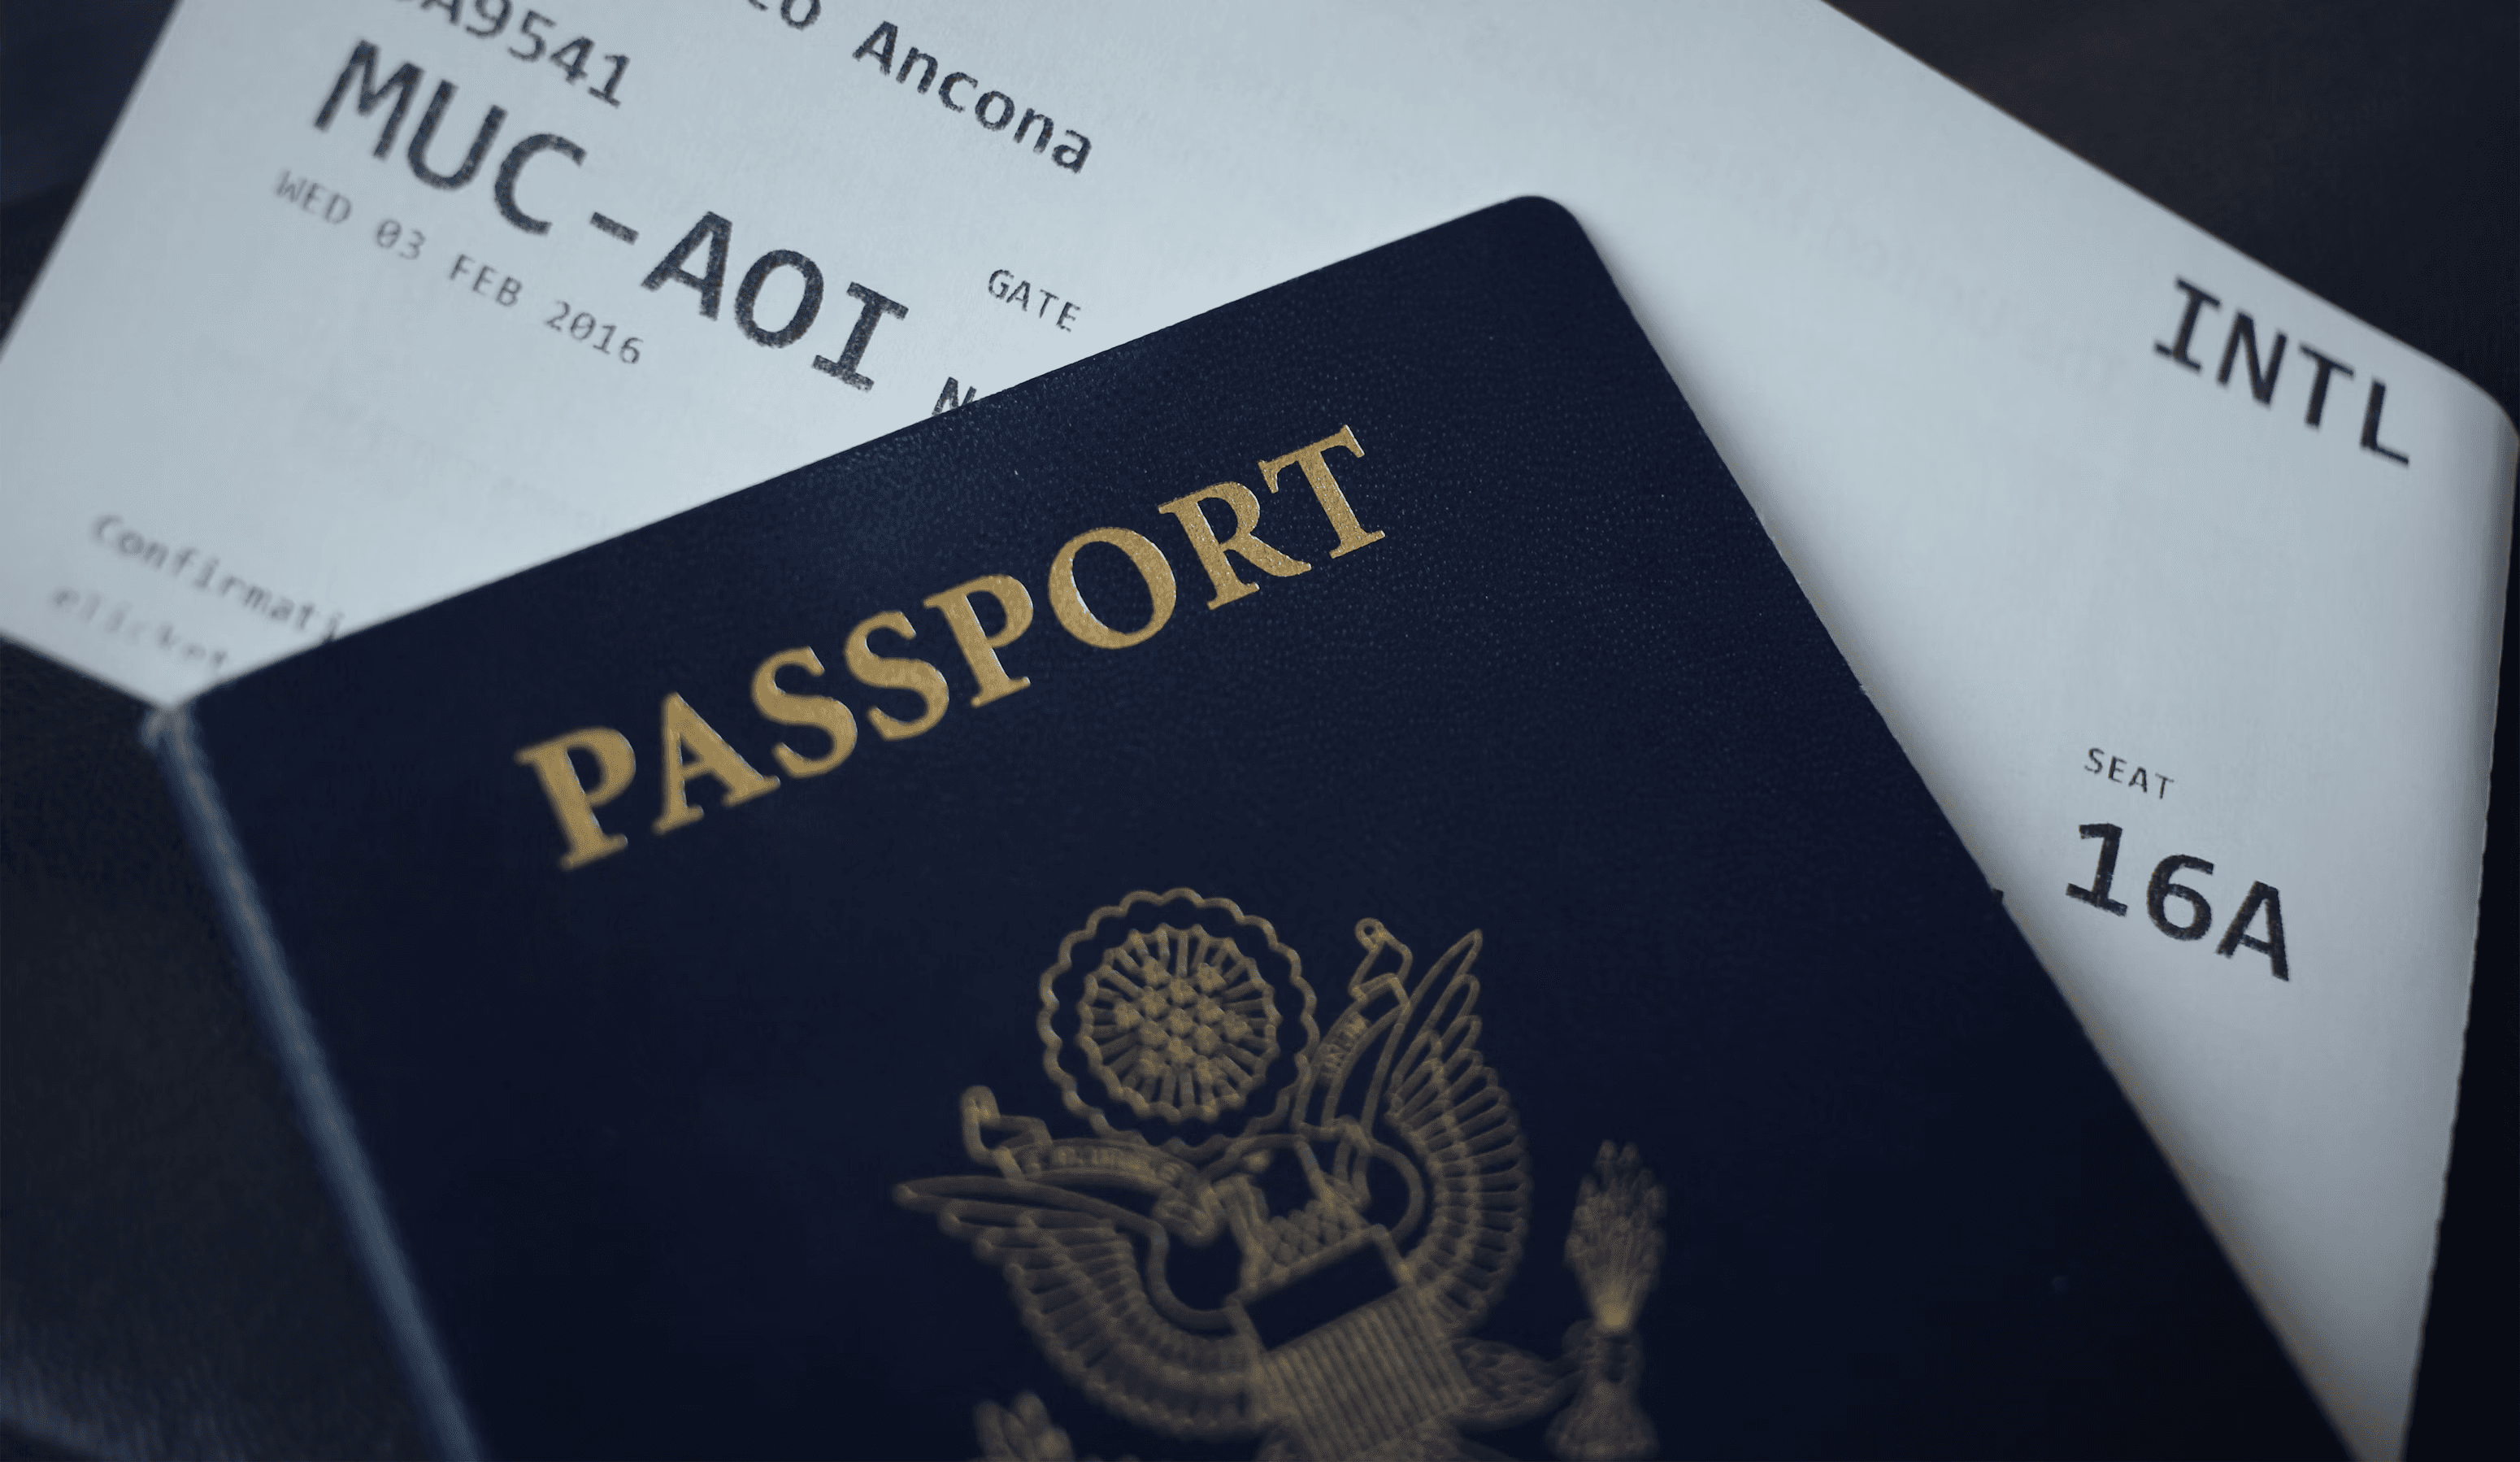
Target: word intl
2265	371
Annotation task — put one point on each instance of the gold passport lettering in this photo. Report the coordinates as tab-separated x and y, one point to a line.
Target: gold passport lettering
1069	605
572	801
694	750
789	708
979	647
1229	586
895	672
1326	489
985	616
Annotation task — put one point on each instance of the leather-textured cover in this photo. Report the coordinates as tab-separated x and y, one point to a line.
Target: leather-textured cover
1114	1056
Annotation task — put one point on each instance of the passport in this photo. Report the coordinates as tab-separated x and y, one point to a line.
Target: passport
1309	885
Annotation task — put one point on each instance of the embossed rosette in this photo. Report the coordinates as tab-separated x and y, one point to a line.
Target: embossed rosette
1178	1018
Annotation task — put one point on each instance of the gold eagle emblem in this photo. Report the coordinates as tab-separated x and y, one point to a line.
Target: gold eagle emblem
1370	1184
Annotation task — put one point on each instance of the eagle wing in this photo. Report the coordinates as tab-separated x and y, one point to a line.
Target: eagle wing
1438	1098
1077	1267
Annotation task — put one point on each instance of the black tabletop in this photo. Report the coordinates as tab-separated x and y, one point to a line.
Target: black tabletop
172	1282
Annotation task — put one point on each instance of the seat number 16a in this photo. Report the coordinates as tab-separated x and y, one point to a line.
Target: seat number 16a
2257	925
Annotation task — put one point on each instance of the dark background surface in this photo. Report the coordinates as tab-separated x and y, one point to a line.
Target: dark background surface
172	1279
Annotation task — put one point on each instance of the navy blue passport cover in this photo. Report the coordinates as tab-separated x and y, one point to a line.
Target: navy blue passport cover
1360	911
